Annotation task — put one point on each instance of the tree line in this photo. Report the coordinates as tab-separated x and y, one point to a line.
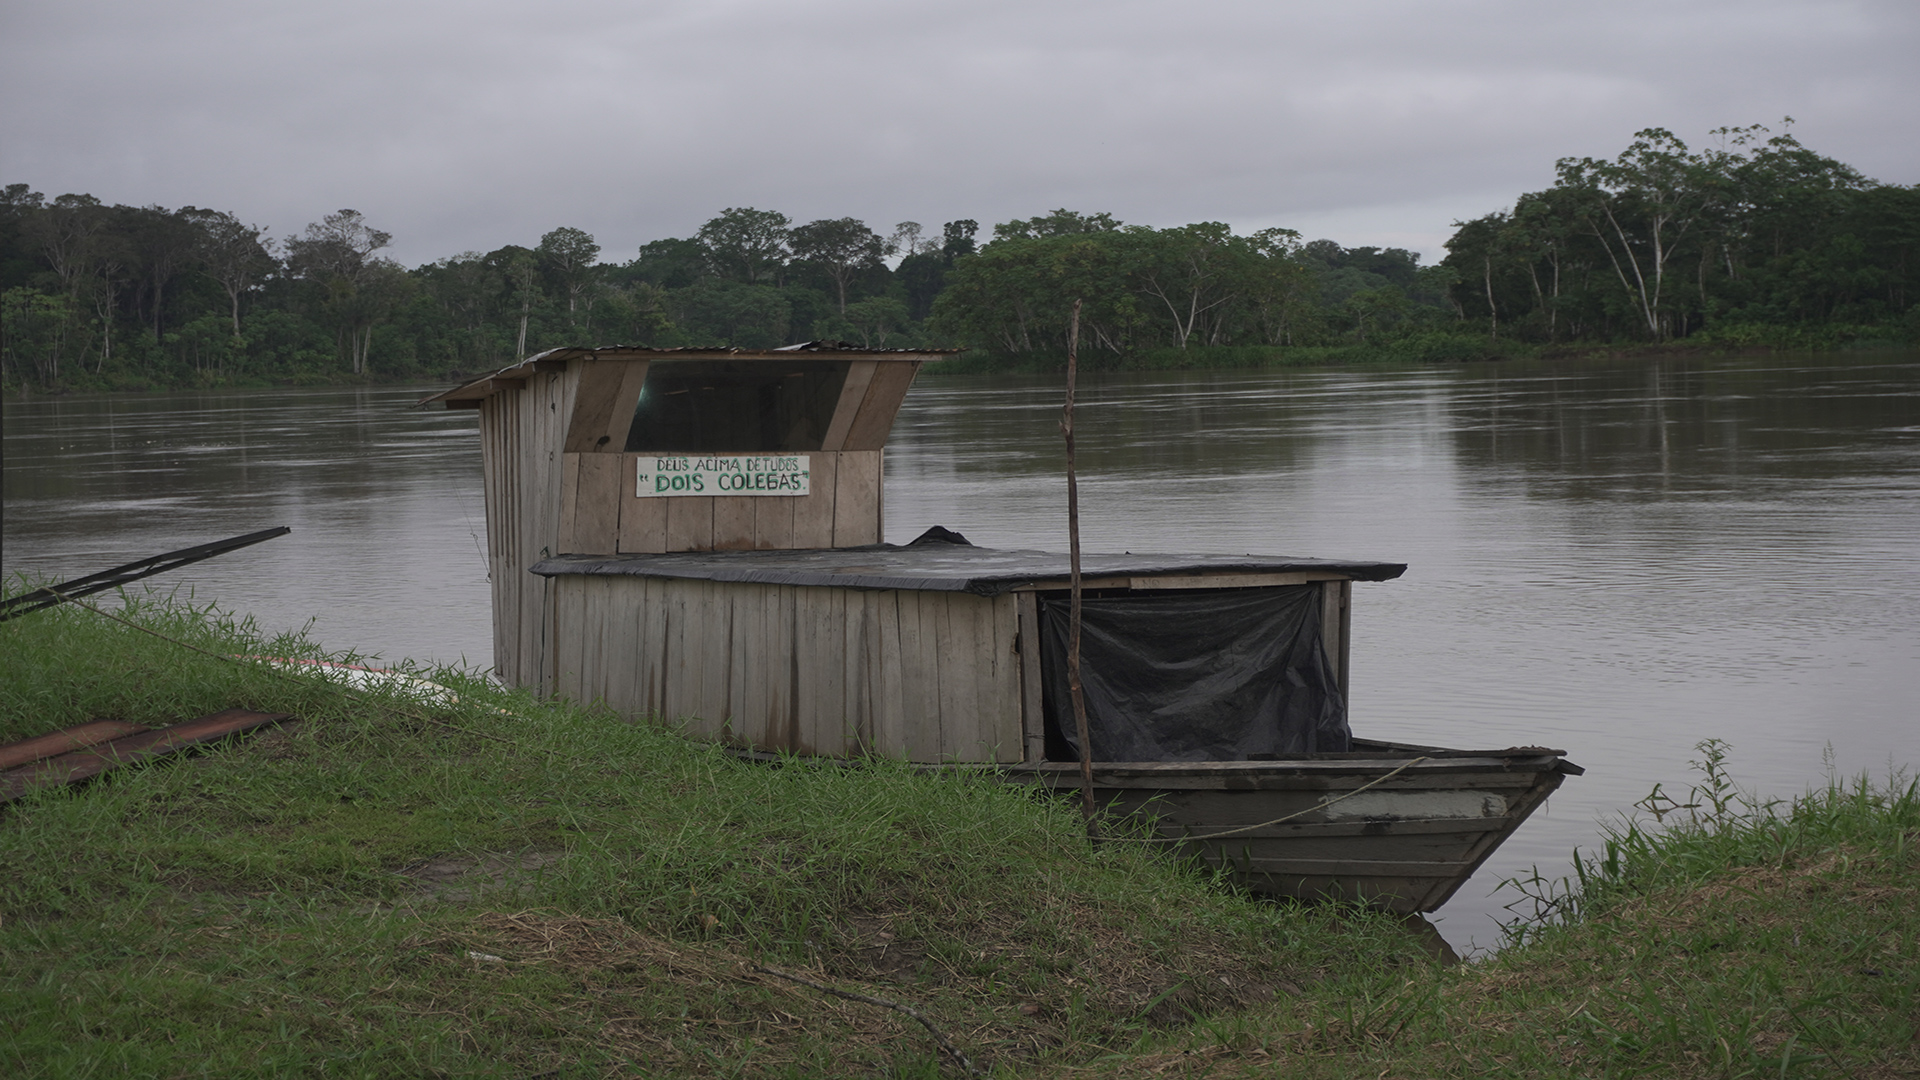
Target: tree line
1667	242
1754	236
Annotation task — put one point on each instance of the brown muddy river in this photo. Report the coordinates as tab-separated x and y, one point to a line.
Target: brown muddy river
1619	558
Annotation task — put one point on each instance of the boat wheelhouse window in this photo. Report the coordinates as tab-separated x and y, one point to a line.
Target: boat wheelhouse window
722	406
1216	675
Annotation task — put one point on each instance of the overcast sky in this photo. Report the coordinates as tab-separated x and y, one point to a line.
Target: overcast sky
468	125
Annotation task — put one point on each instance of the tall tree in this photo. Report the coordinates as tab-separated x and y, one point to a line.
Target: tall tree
745	244
957	239
1058	223
571	256
1194	271
336	253
842	247
163	243
1639	207
231	253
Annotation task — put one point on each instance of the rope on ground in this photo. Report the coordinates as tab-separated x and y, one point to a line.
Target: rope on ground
1276	821
946	1047
351	690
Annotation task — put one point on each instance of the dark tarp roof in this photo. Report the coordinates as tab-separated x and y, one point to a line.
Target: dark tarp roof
935	566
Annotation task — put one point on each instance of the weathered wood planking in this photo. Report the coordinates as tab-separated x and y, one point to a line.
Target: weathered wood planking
853	392
1032	719
1343	639
856	499
643	522
602	411
886	389
689	523
557	480
596	514
523	469
813	515
924	676
773	523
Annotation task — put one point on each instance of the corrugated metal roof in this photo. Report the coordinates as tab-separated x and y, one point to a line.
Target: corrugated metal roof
941	567
480	387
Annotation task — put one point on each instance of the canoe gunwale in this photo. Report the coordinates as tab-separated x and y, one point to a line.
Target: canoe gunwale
1523	777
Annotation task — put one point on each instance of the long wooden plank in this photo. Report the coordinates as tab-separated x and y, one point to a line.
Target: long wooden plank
602	405
689	523
716	634
600	389
781	672
1001	696
620	422
1227	581
1032	717
733	520
623	645
856	500
853	392
654	648
563	671
643	522
682	677
569	501
956	661
885	392
919	677
813	512
820	686
1344	660
745	675
596	515
889	688
857	671
773	522
1357	868
66	740
78	765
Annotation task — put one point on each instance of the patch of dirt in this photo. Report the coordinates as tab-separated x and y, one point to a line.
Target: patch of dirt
458	879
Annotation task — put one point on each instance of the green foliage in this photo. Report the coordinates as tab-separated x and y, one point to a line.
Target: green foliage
1666	242
1755	241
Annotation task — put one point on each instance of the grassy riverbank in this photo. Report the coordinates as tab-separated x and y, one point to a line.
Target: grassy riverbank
506	887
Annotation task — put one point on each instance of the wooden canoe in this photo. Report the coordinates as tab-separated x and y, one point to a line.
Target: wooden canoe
1390	824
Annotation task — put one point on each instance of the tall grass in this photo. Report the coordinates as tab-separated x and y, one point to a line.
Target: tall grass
506	885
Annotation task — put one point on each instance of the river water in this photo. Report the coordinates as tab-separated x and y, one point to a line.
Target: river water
1618	558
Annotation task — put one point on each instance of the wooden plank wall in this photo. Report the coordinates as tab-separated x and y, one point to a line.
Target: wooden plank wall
601	515
1336	630
521	431
926	676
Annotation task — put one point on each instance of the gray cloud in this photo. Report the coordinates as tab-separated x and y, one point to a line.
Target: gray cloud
469	125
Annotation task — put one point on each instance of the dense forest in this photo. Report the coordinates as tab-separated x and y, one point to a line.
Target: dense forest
1754	240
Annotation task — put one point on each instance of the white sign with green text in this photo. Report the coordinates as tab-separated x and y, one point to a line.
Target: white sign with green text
721	474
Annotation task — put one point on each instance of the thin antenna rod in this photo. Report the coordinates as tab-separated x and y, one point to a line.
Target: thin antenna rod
1087	807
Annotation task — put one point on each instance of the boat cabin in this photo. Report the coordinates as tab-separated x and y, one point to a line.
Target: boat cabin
694	536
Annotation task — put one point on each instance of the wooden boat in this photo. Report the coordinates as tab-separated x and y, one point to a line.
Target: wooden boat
1389	824
692	536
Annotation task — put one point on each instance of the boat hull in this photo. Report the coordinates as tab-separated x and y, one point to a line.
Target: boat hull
1394	826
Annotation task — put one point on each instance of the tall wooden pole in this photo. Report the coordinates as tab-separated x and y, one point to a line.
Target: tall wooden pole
1087	807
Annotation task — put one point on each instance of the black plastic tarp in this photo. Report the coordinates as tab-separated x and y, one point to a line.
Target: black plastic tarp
1224	675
